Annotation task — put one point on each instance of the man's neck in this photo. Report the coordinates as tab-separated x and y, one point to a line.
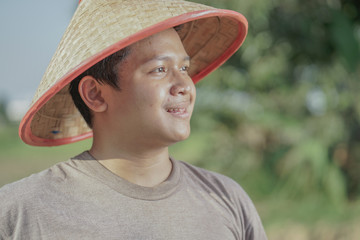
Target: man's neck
146	169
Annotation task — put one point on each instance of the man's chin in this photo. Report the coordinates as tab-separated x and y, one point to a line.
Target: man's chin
179	137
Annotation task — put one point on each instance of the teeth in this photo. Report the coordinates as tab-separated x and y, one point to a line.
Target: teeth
175	110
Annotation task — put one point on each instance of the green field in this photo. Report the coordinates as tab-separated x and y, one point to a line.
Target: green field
18	160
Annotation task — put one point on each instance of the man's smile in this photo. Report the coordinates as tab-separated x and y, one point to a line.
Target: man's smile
179	109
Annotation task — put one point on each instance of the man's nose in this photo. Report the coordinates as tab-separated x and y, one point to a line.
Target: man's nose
182	84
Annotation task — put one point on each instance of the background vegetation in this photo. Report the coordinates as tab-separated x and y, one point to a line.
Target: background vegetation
281	117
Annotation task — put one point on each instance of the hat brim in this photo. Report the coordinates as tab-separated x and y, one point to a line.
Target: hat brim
33	117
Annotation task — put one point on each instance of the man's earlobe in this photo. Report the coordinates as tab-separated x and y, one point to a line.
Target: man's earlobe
90	91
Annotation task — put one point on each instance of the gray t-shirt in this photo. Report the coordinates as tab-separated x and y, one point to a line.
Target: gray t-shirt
80	199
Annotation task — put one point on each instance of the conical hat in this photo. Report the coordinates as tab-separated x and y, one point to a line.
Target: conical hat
100	28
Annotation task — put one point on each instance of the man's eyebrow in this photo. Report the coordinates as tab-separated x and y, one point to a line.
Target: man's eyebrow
162	58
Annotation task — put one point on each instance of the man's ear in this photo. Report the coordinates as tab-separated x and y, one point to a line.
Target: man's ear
91	93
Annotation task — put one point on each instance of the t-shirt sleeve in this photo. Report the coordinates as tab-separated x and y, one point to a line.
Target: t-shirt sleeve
17	202
7	212
254	229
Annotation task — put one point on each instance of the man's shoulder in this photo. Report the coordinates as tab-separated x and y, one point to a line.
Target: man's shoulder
205	174
230	194
213	181
28	185
25	200
55	173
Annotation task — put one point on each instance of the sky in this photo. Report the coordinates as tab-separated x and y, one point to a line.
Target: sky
30	32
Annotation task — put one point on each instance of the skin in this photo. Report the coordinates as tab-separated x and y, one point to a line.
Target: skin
134	127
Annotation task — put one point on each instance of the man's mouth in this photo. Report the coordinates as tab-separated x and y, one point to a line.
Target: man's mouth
179	110
176	110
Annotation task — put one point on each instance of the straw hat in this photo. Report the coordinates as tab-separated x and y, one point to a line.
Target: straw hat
101	27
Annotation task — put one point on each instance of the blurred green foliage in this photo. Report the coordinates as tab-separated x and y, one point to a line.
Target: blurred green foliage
282	115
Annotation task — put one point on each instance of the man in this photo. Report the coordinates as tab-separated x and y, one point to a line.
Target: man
138	101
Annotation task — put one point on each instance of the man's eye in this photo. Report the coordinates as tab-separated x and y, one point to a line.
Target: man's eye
160	70
184	68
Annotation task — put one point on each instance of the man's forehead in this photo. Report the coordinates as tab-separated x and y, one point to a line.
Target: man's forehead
155	37
156	45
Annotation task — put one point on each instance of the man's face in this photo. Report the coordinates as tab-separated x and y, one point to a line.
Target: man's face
157	95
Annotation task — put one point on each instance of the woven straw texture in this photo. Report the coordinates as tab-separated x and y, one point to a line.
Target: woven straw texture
98	24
